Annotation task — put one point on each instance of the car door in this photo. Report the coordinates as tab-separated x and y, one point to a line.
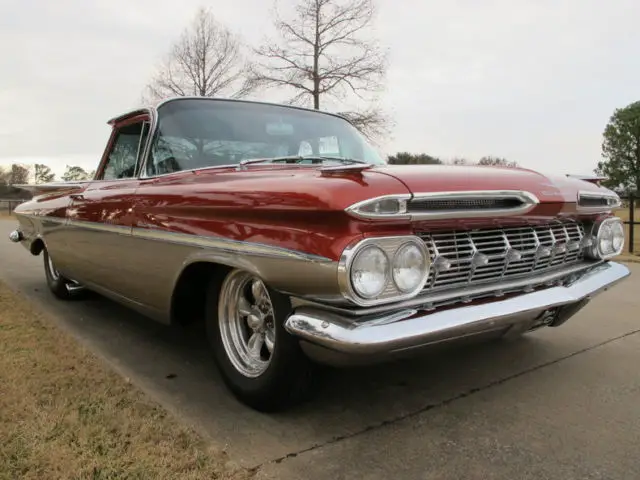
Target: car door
99	219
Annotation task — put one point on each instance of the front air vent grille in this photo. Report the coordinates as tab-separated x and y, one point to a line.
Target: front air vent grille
422	205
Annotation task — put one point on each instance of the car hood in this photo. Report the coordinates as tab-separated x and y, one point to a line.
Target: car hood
280	187
447	178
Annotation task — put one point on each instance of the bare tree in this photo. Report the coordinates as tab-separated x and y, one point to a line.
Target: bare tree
5	176
373	123
206	61
324	51
43	173
19	174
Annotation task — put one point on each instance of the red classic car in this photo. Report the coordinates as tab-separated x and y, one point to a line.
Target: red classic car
286	232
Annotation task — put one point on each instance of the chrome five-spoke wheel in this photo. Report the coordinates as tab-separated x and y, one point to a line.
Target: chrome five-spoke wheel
261	363
247	323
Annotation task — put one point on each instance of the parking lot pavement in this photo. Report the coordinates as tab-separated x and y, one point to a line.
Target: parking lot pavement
558	403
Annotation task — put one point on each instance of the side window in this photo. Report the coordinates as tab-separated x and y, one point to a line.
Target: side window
122	161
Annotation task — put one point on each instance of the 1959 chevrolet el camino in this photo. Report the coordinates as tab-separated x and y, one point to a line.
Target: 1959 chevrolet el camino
285	232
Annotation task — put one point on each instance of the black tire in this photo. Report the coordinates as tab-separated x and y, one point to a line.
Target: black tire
288	377
57	283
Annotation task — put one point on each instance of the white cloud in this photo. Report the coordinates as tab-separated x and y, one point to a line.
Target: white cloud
532	80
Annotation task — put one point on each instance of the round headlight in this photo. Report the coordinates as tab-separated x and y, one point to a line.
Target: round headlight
610	238
369	272
618	237
409	267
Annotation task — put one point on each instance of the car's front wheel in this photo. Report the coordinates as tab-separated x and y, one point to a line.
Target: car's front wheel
61	286
260	362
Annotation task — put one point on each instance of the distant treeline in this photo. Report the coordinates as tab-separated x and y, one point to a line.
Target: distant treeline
406	158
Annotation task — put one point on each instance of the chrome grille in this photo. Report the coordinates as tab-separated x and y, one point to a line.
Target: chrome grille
478	256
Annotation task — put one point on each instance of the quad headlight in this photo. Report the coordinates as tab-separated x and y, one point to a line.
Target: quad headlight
370	271
409	267
608	239
384	269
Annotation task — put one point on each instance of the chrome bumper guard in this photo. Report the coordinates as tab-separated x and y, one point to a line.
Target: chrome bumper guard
336	339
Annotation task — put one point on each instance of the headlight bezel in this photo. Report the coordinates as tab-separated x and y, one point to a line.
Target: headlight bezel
390	292
595	250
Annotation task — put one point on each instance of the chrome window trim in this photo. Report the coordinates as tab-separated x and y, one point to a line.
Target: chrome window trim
144	160
349	254
529	202
598	208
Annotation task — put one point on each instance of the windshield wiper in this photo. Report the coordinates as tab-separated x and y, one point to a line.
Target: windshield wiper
300	159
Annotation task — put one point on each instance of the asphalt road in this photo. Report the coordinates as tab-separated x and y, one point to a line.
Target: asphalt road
560	403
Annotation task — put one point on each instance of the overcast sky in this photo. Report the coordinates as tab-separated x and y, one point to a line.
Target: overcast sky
531	80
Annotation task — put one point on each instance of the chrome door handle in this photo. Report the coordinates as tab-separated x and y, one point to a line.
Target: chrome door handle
76	196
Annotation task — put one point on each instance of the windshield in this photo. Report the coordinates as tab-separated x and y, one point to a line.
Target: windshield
199	133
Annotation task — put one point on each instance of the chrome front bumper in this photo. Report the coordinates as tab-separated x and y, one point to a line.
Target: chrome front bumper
335	339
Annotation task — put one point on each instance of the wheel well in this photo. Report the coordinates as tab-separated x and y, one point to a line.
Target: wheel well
36	246
190	293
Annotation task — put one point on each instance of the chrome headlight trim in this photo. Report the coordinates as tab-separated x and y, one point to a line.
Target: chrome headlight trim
390	245
594	250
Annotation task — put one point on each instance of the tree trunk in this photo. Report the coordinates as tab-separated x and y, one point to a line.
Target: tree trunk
316	61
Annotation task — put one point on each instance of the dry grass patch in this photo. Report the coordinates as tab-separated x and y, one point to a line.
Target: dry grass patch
64	414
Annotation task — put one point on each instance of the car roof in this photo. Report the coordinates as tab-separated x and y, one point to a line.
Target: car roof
151	109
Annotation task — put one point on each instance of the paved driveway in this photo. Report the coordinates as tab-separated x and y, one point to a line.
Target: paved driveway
560	404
